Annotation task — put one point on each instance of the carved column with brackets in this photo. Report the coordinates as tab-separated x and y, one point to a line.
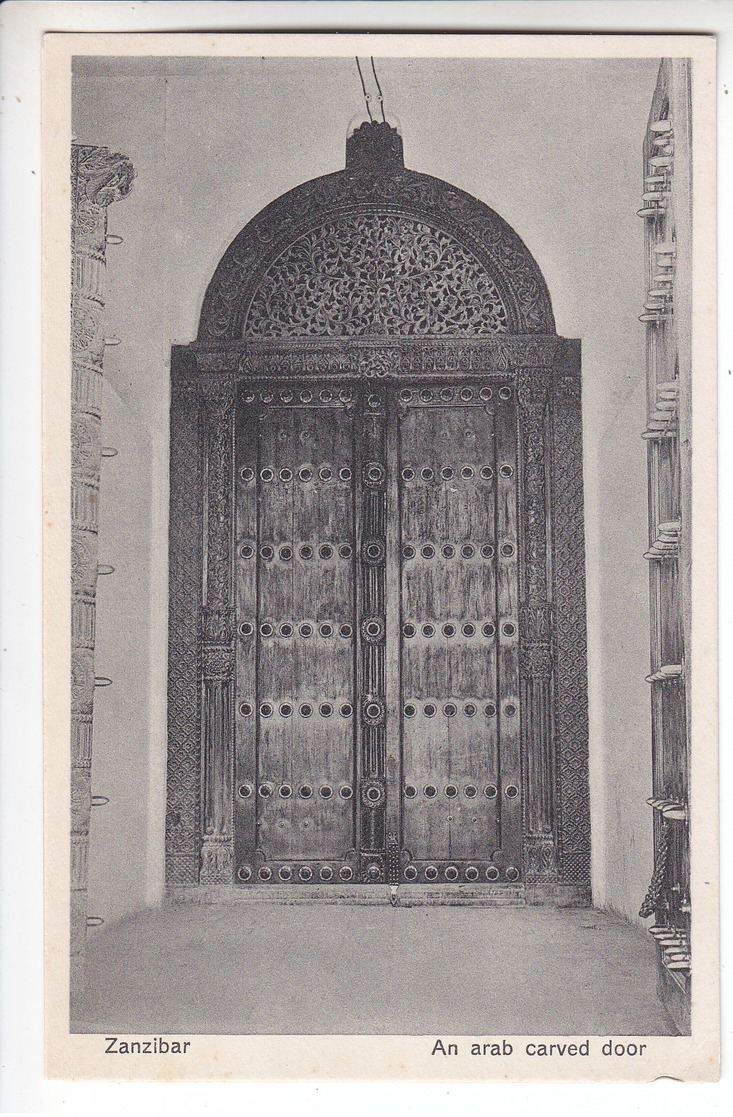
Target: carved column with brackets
98	178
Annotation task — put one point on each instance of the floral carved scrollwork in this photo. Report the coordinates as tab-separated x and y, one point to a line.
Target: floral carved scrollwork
376	273
219	409
379	363
533	392
218	663
107	175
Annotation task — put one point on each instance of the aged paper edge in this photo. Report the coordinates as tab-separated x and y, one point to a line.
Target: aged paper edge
68	1056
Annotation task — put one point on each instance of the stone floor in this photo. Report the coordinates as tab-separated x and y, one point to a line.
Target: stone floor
327	969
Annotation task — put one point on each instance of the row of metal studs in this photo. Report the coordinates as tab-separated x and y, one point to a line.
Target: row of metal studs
451	873
430	791
449	551
449	630
328	551
286	791
427	395
448	473
286	710
345	873
305	551
305	873
304	474
407	395
286	395
450	709
326	629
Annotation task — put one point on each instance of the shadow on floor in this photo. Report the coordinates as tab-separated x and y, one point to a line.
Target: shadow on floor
316	970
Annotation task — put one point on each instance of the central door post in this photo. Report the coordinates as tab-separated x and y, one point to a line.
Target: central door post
371	481
394	632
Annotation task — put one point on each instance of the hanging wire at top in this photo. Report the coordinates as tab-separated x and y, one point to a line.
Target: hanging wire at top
380	95
367	96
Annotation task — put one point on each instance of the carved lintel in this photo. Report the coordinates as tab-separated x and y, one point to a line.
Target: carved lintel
540	859
216	364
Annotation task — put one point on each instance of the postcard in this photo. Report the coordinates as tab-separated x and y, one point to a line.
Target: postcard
380	557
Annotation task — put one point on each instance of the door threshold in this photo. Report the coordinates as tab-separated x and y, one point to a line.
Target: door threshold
403	895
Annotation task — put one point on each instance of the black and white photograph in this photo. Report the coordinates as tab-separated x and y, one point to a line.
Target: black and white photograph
386	371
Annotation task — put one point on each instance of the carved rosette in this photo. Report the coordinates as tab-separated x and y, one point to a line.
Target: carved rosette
533	391
217	857
98	177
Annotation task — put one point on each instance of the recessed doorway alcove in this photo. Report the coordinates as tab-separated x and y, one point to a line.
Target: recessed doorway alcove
377	652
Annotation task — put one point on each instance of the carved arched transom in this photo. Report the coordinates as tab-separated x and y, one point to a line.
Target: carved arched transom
376	273
376	249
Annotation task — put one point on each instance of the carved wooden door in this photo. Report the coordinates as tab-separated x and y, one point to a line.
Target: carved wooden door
377	698
296	620
460	633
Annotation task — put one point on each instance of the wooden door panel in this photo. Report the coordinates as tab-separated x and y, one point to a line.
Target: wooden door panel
306	653
509	719
311	584
448	482
245	595
304	639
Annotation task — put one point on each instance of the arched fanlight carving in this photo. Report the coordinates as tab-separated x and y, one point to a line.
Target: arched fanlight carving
376	249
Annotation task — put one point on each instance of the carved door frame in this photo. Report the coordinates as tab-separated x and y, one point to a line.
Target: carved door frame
544	371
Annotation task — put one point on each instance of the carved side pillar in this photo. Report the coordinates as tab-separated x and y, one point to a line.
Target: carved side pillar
572	823
540	857
98	178
217	850
183	814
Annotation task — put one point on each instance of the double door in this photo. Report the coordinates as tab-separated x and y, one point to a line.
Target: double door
377	699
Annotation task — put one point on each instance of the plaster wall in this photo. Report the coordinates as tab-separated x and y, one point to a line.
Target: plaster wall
555	148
